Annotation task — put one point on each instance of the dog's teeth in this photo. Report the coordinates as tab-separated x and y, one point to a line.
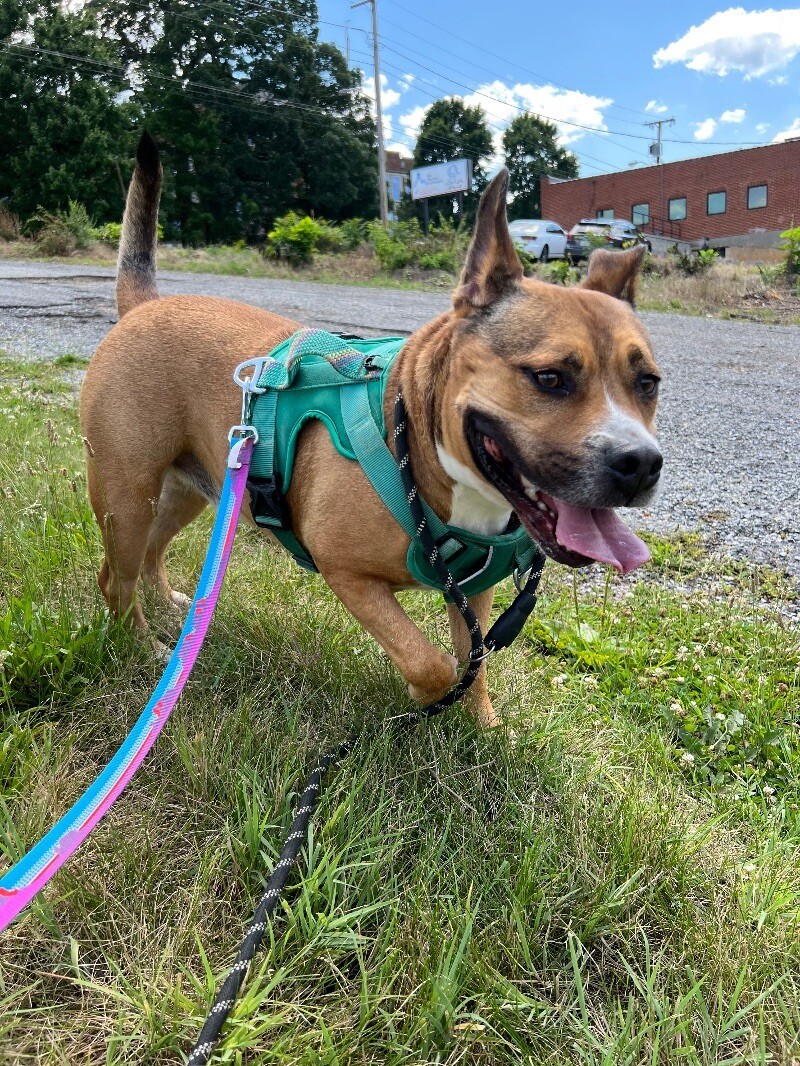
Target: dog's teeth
541	506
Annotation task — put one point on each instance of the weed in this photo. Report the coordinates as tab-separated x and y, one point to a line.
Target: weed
9	224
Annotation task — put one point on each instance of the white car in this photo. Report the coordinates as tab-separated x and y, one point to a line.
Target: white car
539	238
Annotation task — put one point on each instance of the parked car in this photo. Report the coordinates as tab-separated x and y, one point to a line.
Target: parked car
616	232
539	238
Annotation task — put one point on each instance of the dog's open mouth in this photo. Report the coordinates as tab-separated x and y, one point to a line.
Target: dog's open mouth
575	536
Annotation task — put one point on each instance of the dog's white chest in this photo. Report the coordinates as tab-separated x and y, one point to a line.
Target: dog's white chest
476	506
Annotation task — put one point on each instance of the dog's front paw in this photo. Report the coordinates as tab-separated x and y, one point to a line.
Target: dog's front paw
179	600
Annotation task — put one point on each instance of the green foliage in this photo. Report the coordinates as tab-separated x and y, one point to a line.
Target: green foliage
531	150
559	271
204	87
790	243
447	259
354	232
393	245
693	263
110	233
294	238
403	243
330	237
62	232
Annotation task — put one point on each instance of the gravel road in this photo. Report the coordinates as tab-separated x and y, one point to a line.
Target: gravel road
729	415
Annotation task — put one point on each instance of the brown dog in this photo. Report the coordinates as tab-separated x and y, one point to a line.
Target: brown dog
525	396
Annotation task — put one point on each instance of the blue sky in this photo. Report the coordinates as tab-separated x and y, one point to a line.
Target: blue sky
726	74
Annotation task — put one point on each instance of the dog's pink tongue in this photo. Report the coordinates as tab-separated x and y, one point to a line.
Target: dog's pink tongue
599	534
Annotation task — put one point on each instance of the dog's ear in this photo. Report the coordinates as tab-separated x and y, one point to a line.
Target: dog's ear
492	267
615	273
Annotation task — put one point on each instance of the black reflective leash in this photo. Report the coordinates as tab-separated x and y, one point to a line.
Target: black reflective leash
501	634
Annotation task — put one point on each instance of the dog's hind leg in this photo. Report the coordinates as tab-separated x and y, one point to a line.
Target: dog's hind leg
125	513
476	698
178	504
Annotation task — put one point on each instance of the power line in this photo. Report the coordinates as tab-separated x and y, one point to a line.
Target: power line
494	55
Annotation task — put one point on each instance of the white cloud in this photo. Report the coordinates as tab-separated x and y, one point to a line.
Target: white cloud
785	135
762	127
412	120
389	97
560	105
502	103
705	129
737	115
753	43
653	107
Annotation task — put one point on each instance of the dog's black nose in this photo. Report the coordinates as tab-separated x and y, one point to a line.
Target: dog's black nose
634	470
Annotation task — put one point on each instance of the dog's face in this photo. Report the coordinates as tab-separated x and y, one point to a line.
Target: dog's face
552	394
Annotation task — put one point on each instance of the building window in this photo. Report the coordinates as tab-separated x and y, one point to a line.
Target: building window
677	209
717	203
640	214
757	196
607	212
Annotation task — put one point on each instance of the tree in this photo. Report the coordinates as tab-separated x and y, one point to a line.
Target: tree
64	130
452	130
254	114
531	150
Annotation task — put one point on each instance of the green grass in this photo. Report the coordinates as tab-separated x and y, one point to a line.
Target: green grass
611	879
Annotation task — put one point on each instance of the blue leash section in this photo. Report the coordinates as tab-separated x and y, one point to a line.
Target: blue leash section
35	869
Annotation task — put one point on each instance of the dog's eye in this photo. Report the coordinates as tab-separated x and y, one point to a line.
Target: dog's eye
549	381
648	385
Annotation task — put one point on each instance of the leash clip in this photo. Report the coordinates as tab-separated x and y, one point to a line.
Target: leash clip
249	383
487	651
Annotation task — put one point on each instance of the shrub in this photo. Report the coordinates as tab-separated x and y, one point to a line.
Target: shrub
294	238
560	272
790	243
110	233
393	245
353	232
9	224
330	237
403	243
446	259
61	232
690	264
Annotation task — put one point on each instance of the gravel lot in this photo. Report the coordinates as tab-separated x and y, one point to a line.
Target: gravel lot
730	412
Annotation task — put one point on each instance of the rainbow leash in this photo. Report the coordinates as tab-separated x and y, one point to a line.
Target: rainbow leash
35	869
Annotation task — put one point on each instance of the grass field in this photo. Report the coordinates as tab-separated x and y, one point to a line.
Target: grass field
610	879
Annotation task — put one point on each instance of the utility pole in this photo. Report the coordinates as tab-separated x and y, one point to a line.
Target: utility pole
660	123
382	193
656	150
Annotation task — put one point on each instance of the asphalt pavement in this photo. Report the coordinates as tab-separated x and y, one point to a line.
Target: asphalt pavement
729	418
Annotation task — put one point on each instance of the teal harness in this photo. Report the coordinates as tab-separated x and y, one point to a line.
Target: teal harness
341	381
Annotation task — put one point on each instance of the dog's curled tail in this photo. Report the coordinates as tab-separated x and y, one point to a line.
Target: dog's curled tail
136	263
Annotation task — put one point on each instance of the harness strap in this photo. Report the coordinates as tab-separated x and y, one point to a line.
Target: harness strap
384	473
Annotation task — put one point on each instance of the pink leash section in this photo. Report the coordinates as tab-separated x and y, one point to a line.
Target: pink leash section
34	870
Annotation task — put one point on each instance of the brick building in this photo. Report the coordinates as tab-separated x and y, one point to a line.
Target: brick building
742	197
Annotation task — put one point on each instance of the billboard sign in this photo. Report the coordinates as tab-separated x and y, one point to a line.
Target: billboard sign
442	179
